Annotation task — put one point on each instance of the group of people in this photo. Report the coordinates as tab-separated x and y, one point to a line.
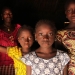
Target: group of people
16	43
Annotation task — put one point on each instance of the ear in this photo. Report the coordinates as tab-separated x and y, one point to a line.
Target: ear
1	17
66	13
18	39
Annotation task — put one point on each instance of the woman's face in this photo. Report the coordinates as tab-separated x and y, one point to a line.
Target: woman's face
7	15
45	36
70	12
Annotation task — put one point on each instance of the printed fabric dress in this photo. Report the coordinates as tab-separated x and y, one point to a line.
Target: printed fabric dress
40	66
67	37
7	40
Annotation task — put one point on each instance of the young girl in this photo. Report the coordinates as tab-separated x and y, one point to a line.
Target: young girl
66	36
25	39
46	60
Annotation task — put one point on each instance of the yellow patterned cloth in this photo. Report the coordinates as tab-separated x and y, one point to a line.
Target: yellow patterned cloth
67	37
15	54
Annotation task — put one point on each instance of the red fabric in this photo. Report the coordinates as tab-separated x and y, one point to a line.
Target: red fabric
8	40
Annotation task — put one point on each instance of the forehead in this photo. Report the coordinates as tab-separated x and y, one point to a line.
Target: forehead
71	5
6	10
25	32
44	26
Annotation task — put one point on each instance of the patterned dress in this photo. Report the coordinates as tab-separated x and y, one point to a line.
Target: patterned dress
52	66
67	37
8	40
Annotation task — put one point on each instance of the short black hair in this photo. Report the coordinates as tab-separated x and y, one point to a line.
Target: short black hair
25	27
4	8
68	2
48	22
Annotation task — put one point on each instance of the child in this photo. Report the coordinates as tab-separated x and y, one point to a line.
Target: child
67	35
25	39
46	60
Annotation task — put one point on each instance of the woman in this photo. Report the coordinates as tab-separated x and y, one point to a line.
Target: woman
66	36
8	32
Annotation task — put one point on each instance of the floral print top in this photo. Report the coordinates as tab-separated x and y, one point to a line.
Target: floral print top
52	66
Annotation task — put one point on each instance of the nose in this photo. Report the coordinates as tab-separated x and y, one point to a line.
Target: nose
8	15
45	37
27	40
73	12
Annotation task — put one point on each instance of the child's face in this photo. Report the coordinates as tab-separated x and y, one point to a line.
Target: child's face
25	39
70	12
45	36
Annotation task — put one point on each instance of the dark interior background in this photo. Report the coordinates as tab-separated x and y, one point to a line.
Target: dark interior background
30	11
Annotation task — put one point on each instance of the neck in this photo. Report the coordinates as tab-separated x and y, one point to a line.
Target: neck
46	50
7	24
71	25
25	51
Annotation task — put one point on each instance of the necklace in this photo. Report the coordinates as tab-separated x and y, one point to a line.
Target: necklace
8	28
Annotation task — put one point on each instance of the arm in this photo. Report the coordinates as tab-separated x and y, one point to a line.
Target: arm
28	70
65	71
3	49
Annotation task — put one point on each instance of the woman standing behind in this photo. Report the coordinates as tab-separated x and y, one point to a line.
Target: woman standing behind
8	32
67	35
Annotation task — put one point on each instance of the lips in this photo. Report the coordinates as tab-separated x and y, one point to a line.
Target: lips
73	18
45	41
8	17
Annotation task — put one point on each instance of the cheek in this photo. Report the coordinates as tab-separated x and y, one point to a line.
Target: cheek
4	17
19	40
11	16
68	15
52	39
31	42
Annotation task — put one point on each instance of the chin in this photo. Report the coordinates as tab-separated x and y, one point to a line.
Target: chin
46	46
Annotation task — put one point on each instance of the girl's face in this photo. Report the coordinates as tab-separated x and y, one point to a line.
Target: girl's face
25	39
45	36
7	15
70	12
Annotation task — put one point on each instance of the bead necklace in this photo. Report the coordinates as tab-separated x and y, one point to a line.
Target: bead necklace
8	28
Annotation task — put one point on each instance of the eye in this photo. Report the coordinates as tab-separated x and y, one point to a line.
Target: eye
4	14
40	34
10	13
69	11
22	38
30	38
50	34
